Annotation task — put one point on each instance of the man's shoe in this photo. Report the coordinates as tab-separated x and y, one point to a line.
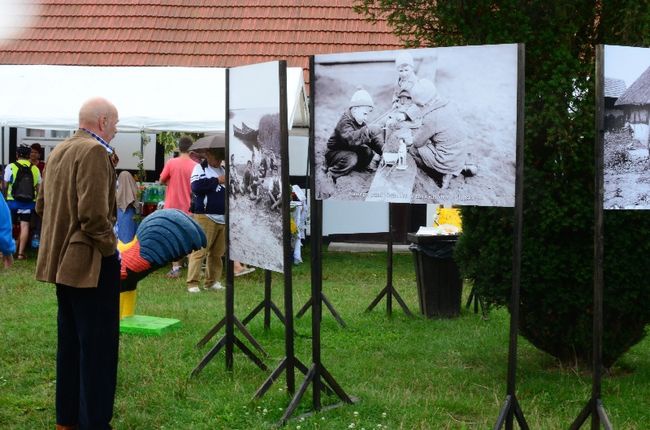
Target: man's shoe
193	290
216	286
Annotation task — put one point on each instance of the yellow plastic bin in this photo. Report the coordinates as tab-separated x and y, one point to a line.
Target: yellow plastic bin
127	303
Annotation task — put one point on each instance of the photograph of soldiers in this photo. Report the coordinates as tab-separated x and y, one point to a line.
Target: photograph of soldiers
255	162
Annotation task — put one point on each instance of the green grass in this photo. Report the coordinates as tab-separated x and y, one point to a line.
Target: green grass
408	373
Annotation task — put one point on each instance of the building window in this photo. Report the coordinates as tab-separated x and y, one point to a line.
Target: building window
34	132
60	134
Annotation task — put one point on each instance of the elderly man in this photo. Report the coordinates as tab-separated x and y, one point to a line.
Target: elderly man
78	253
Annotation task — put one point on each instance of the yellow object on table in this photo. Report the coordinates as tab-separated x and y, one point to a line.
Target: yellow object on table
450	216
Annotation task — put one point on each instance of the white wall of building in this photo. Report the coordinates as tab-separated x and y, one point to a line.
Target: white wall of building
125	145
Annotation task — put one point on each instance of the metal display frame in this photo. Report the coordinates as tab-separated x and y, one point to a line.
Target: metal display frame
316	375
289	362
594	406
389	290
511	408
230	321
267	305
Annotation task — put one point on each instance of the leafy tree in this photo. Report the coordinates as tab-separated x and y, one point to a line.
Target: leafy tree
557	261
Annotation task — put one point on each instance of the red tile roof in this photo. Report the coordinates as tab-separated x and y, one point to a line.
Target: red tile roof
217	33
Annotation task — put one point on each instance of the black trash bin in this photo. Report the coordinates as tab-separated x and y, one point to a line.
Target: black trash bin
438	279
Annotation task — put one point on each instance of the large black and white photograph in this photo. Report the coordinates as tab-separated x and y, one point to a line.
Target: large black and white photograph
255	200
433	125
626	152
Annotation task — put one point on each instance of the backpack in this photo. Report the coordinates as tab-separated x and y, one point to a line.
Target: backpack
22	189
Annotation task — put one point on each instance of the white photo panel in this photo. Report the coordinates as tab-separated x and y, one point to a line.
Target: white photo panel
434	125
255	201
626	122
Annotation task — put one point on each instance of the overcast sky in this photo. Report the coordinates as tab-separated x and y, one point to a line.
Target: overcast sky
627	63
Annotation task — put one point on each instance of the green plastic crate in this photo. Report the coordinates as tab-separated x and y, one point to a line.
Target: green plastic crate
146	325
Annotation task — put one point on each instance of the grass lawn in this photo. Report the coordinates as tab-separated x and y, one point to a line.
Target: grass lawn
408	373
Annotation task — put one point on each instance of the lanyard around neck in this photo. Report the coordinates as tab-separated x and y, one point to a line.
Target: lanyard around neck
98	139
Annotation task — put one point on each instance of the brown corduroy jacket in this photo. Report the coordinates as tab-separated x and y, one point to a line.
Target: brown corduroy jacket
77	205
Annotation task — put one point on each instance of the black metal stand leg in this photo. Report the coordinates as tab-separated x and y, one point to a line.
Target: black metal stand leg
389	291
317	374
305	308
509	412
336	315
271	379
229	340
266	304
250	354
511	408
478	303
276	374
213	331
595	406
329	305
206	359
250	337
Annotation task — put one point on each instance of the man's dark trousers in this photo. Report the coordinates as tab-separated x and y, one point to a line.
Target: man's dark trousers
86	359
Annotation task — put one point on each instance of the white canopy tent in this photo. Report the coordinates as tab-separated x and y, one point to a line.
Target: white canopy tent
150	99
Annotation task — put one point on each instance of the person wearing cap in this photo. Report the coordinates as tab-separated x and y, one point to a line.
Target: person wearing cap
208	206
35	156
439	144
21	208
354	143
406	77
176	175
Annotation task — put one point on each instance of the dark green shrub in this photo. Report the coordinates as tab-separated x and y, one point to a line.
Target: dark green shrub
557	261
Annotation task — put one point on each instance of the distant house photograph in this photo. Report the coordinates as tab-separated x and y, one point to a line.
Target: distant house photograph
614	118
627	128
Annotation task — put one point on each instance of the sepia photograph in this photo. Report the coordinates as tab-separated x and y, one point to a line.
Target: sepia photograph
626	151
433	125
254	162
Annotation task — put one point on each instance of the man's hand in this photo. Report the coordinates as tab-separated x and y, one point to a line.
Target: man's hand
8	260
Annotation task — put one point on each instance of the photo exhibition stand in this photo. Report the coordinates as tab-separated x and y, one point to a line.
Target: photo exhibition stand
303	310
289	362
389	291
594	406
229	340
317	375
511	408
324	298
267	305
